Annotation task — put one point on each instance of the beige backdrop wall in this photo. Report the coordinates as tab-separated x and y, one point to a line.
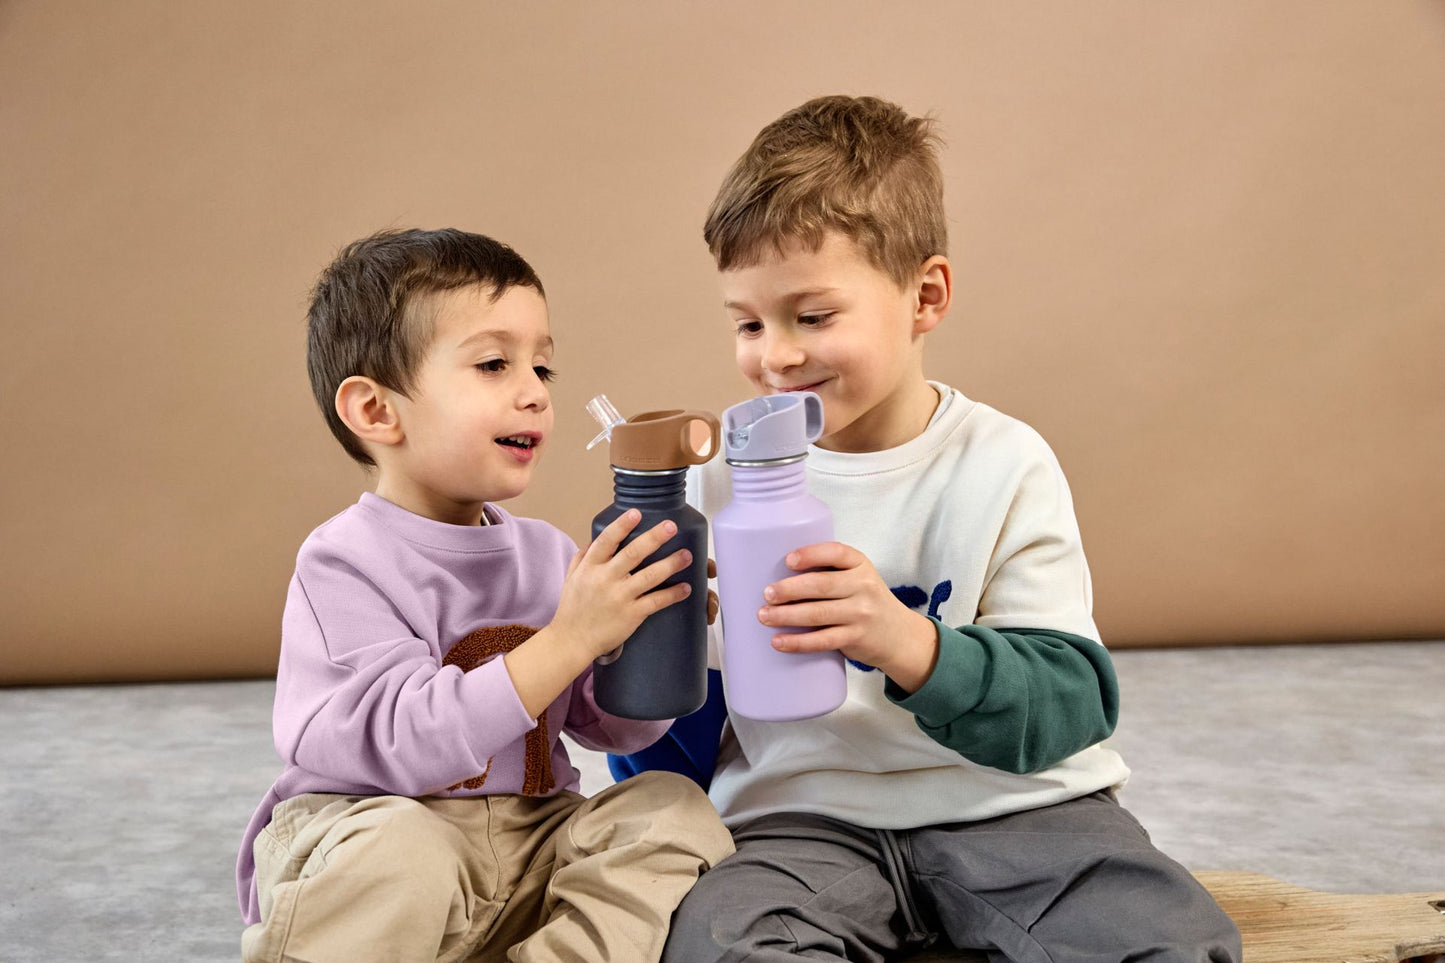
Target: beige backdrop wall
1199	246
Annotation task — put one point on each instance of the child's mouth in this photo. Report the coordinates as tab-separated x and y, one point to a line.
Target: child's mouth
522	447
518	441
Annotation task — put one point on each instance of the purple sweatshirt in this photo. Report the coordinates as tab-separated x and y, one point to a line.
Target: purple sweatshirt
389	681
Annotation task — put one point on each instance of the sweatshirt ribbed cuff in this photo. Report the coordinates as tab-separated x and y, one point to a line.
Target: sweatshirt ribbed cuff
957	685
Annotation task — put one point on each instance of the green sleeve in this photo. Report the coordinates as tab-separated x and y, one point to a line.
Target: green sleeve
1018	699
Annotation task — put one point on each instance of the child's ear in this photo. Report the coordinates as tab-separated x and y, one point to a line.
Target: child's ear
935	292
369	410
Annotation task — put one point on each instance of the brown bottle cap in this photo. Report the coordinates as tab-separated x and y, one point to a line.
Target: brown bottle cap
662	440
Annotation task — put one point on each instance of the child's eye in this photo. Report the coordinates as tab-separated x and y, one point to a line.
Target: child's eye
493	366
815	319
748	329
545	373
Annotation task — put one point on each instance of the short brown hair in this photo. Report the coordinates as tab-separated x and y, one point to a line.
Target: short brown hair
365	316
858	165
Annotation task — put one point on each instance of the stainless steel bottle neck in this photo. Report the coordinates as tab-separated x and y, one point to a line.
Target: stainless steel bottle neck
648	474
768	463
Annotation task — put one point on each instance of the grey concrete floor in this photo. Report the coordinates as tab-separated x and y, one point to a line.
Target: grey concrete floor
122	806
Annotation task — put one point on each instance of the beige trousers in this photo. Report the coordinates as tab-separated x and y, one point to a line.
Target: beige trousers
355	878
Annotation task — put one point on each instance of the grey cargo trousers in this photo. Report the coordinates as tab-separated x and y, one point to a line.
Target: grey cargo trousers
1078	882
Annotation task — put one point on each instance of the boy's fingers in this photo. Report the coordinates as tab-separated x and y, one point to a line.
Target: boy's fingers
604	546
800	614
813	585
823	555
711	569
644	580
671	595
822	640
645	544
712	605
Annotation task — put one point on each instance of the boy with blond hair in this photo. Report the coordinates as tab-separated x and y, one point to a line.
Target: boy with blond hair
434	647
961	792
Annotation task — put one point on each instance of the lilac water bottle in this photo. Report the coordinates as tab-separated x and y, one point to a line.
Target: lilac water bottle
765	442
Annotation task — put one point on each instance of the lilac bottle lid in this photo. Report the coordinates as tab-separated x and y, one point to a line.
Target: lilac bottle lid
772	428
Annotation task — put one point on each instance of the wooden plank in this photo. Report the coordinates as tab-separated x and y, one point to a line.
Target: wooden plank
1282	923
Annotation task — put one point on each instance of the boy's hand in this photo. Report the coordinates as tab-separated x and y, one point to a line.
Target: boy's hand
603	600
712	602
849	608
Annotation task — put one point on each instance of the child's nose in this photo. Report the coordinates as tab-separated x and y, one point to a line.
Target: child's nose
535	395
781	353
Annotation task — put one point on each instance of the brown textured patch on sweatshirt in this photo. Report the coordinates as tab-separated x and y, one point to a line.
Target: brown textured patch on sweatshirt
476	781
482	646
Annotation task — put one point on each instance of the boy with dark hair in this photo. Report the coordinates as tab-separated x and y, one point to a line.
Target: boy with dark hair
962	790
435	646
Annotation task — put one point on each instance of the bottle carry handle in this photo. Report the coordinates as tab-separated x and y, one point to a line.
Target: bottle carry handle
670	439
699	449
812	416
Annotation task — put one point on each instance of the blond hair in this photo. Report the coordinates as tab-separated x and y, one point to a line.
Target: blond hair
860	166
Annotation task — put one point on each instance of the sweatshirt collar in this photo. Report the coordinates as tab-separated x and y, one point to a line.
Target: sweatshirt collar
955	408
500	535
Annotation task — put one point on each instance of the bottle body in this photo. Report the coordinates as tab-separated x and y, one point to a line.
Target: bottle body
770	515
660	672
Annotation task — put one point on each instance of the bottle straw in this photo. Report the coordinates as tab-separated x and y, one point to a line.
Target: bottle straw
606	415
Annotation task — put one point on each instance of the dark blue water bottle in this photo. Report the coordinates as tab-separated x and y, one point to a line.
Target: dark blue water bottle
660	671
